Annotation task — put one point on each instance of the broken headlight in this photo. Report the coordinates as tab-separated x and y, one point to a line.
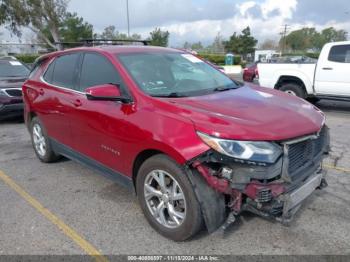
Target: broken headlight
267	152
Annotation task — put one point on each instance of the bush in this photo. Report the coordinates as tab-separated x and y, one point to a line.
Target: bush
27	58
219	59
313	55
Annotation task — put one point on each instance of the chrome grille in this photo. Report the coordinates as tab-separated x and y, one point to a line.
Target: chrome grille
14	91
302	154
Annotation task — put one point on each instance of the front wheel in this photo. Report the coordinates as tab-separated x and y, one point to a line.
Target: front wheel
167	198
293	89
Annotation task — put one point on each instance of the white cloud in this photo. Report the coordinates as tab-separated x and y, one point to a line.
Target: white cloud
199	20
285	8
243	7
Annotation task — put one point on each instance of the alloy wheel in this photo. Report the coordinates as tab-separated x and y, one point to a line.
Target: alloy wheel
165	198
39	140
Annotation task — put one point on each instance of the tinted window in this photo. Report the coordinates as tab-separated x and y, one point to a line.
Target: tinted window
340	53
13	69
49	72
97	70
65	70
35	69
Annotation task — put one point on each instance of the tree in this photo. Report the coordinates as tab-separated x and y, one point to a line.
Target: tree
308	38
302	39
187	45
159	37
218	45
71	29
111	33
268	44
233	44
197	46
37	15
242	44
331	35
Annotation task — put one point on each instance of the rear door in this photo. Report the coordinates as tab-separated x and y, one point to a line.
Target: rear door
57	94
333	72
98	126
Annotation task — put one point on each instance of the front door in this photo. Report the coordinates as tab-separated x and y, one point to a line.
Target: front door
333	73
97	126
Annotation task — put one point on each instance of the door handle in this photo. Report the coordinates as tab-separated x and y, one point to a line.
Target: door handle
41	91
77	102
327	68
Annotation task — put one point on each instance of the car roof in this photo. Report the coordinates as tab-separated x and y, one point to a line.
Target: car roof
137	49
115	49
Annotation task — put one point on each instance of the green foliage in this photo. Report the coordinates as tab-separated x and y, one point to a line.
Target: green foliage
313	55
35	15
71	30
111	33
218	45
268	44
219	59
27	58
309	38
159	37
193	46
241	44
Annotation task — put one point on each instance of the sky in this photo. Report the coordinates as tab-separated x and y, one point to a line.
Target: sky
202	20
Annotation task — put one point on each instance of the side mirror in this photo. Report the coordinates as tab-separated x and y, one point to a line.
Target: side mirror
106	92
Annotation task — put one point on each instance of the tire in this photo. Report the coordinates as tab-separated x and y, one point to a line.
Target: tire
43	151
192	222
293	89
313	99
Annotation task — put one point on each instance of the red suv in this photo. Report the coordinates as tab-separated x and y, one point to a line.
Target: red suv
197	147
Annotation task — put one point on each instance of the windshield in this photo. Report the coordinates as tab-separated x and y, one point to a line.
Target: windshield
13	69
174	74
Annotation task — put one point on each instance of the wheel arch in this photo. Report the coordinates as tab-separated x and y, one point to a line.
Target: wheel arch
29	117
140	159
290	79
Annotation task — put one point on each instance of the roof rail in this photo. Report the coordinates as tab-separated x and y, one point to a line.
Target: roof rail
101	41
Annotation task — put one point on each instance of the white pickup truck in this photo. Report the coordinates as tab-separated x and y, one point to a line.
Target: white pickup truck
329	77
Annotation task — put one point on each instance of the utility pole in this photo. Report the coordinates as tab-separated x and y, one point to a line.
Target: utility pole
284	34
127	16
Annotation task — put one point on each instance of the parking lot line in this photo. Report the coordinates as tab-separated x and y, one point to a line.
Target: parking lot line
337	168
67	230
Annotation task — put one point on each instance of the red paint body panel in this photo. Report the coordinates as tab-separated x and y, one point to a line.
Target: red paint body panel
250	113
114	134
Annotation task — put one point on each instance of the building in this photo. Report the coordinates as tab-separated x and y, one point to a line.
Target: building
265	55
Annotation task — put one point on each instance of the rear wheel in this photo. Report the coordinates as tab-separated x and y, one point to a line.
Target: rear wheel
41	142
167	198
293	89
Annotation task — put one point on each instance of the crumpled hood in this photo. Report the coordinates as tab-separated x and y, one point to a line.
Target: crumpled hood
251	113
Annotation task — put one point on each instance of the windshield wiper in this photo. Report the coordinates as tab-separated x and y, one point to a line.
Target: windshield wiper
173	94
223	88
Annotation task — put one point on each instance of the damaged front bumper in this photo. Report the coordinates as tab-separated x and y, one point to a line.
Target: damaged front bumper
269	190
283	207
